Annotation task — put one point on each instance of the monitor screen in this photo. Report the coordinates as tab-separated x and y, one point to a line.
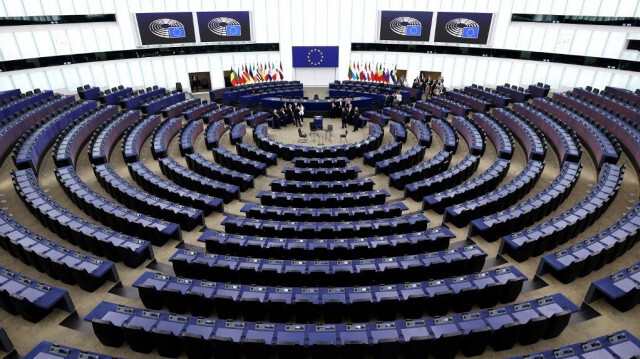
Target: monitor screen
224	26
405	25
160	28
463	27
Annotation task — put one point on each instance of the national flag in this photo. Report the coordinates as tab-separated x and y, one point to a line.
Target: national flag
362	76
233	77
262	74
244	76
394	75
350	73
267	72
380	74
280	72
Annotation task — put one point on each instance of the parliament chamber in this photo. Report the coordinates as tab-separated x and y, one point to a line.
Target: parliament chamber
319	179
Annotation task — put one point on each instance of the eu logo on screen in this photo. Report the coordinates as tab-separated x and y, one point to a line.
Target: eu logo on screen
175	32
414	30
234	30
470	32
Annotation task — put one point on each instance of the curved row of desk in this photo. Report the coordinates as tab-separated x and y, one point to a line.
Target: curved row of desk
498	199
303	304
355	185
226	179
483	183
436	110
443	179
188	134
402	161
323	200
269	159
13	127
382	153
524	214
344	229
237	133
473	102
30	298
604	247
134	99
413	175
600	147
561	139
496	99
621	289
171	334
23	101
415	267
447	134
501	138
57	261
431	239
157	104
385	210
456	107
198	112
470	133
30	149
197	182
176	109
417	113
234	162
75	229
529	137
618	108
68	145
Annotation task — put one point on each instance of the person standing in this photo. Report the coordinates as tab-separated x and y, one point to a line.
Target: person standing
355	117
276	119
283	117
301	114
194	83
344	115
296	115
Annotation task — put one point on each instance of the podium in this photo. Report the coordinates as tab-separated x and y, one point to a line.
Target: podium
317	121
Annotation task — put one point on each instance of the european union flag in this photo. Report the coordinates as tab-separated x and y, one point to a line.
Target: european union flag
315	56
234	30
414	30
175	32
470	32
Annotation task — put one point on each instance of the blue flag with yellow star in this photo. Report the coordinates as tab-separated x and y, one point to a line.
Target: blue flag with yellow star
315	56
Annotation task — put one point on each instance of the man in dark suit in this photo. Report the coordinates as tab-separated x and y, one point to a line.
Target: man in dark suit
345	117
283	117
296	115
333	111
289	112
276	119
355	119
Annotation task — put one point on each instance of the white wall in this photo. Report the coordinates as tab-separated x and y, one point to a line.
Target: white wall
308	23
460	71
137	73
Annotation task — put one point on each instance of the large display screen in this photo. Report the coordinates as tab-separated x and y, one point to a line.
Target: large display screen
463	27
224	26
405	25
161	28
